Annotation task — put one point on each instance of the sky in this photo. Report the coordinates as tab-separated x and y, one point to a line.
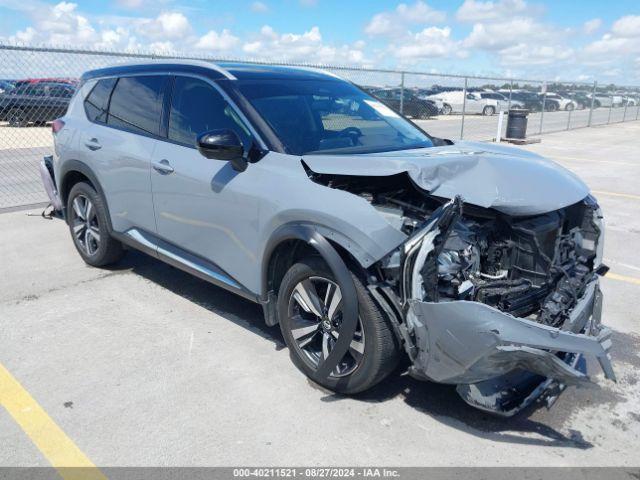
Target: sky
546	39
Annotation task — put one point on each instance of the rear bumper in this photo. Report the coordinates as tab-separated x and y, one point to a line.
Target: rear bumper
49	183
492	355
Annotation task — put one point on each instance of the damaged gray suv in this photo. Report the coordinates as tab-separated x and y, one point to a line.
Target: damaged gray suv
363	237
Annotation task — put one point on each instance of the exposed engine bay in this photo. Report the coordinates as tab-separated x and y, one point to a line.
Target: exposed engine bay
494	271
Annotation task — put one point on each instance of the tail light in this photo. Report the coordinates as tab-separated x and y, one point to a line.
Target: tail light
56	126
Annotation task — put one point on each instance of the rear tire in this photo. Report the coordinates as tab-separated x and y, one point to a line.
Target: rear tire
488	110
375	353
87	218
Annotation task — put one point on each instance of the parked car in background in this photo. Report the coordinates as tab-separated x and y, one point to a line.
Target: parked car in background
412	105
601	100
562	102
38	102
485	103
5	86
529	100
581	99
25	81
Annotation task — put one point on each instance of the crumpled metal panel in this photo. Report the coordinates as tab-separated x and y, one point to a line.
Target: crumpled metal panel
466	342
509	180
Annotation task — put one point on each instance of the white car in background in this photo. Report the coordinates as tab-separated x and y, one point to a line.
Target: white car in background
483	102
565	103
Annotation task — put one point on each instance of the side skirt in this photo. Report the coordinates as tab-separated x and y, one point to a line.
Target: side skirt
183	260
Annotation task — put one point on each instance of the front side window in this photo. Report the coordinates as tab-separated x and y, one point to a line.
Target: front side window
136	104
197	107
329	116
97	102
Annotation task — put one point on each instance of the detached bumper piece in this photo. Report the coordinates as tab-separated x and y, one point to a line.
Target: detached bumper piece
48	181
502	363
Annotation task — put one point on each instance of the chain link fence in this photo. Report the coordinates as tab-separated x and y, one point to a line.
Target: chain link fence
36	84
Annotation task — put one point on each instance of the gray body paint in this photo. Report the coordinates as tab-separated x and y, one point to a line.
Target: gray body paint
512	181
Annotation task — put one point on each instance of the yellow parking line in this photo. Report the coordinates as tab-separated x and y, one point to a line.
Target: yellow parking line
54	444
615	194
622	278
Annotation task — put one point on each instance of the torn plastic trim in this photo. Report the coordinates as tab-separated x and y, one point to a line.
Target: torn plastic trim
46	173
421	250
465	342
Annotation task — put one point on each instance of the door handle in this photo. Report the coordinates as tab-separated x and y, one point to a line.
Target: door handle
93	144
163	167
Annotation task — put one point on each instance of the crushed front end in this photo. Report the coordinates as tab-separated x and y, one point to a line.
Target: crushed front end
503	307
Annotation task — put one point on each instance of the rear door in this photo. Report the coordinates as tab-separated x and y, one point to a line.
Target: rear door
119	144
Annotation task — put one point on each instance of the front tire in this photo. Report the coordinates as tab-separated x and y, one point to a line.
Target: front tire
309	311
446	109
87	217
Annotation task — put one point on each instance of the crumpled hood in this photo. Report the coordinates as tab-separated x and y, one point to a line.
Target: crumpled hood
510	180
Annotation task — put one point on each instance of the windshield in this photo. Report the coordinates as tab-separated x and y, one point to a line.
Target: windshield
329	116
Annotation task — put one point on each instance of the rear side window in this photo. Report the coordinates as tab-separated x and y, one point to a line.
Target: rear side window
197	107
136	104
97	102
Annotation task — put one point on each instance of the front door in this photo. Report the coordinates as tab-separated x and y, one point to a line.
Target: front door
202	205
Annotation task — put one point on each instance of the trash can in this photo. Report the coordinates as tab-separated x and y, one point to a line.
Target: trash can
517	123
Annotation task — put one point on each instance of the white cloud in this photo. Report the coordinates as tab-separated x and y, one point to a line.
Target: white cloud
528	54
627	26
212	40
473	11
430	42
617	45
305	47
132	4
591	26
259	7
59	24
495	36
397	22
167	25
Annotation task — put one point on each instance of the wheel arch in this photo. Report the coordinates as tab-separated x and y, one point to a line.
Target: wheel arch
296	239
292	242
74	171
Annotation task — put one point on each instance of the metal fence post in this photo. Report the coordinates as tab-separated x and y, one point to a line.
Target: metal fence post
402	93
593	99
464	106
510	93
569	119
610	108
637	107
626	104
544	101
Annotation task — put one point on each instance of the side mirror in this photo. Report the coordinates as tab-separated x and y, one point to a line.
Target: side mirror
222	145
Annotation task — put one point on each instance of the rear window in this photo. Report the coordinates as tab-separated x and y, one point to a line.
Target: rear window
97	102
136	104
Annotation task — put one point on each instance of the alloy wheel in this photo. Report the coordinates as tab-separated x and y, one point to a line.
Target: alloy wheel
315	318
86	228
